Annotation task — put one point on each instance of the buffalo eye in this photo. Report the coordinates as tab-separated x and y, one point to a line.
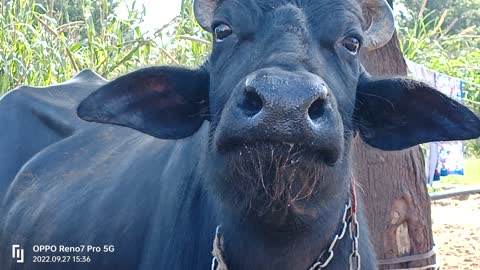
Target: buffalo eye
221	32
352	45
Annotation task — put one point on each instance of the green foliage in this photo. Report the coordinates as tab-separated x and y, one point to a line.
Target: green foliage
459	14
36	49
457	55
67	11
183	41
47	41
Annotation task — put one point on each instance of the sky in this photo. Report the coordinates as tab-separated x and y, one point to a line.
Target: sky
158	12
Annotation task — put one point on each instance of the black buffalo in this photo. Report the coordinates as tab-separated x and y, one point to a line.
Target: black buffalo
257	140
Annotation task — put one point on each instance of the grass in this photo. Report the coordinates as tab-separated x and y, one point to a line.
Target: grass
186	43
35	49
471	177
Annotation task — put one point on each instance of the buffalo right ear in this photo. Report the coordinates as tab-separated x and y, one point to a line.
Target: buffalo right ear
164	102
395	114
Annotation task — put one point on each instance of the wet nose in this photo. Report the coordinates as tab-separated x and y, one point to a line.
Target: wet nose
282	107
301	97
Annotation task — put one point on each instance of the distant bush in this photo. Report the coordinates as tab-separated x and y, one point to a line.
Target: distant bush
184	40
44	42
35	49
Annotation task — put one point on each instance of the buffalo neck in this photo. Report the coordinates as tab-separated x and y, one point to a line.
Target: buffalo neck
250	246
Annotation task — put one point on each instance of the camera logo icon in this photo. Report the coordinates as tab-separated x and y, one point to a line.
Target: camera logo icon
18	253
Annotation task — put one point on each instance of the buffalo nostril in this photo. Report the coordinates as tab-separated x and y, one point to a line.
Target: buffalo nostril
317	109
252	103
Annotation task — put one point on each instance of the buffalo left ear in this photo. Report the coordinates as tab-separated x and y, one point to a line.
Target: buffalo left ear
394	114
164	102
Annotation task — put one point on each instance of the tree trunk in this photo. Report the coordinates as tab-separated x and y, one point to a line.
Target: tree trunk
392	184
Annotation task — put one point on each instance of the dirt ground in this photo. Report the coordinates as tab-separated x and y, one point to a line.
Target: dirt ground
456	228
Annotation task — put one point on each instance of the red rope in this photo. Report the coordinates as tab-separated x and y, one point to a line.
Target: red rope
353	199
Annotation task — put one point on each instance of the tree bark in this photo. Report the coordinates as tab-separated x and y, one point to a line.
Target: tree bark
392	184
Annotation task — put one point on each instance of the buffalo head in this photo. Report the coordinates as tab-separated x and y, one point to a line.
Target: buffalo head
284	93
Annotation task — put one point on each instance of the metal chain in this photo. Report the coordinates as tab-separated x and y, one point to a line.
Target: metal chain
355	259
327	255
348	220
